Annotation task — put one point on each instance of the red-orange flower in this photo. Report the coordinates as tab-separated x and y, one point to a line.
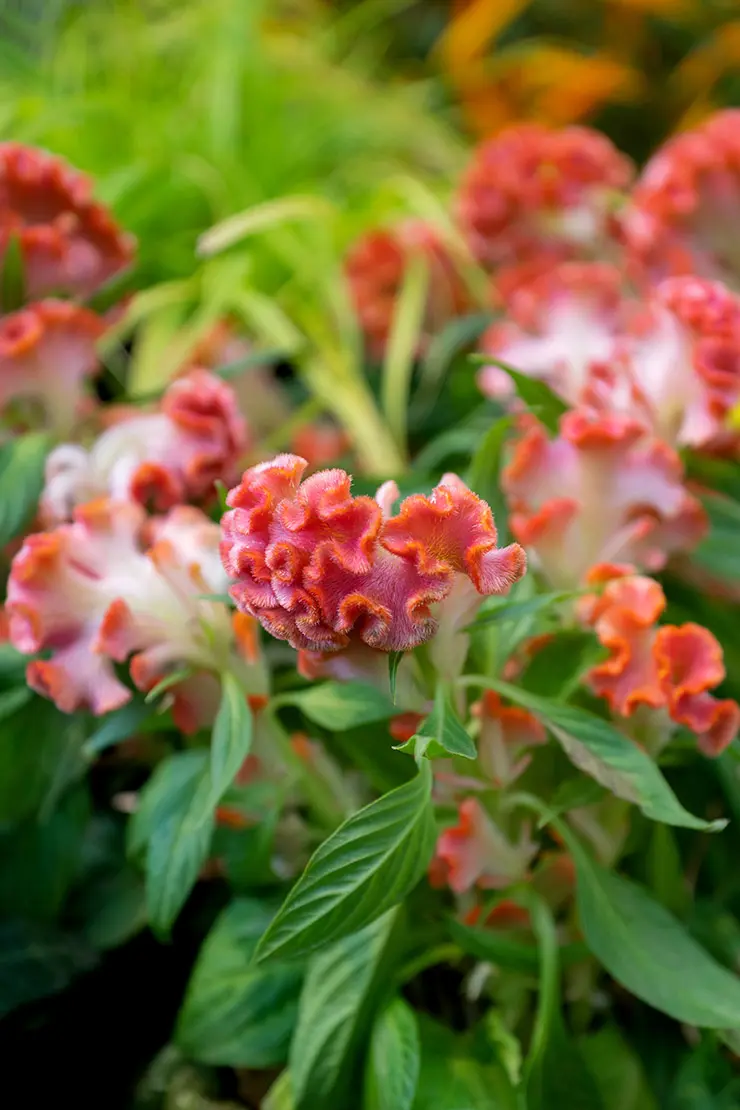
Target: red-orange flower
47	352
507	733
317	566
601	491
531	190
160	458
685	207
672	668
69	243
376	266
476	853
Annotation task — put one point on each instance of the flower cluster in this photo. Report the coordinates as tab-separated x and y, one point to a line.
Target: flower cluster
321	568
113	587
670	668
160	458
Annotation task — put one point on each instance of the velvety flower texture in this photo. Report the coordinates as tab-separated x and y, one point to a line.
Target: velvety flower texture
47	352
159	458
684	217
320	568
531	190
602	491
375	269
669	667
111	586
68	242
671	360
475	852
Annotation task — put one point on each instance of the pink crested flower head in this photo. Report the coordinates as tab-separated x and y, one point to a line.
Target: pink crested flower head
160	458
69	243
320	568
669	668
507	736
564	326
683	216
475	852
375	269
531	189
47	353
601	491
110	588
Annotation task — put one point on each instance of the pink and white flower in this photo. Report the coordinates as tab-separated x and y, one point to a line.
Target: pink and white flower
157	458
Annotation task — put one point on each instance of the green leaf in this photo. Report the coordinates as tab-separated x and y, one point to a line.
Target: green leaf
513	955
507	609
366	866
554	1073
598	749
237	1015
648	951
119	725
617	1071
231	740
169	824
115	908
451	1078
392	1068
535	393
334	1013
39	860
12	276
574	794
21	481
442	733
444	346
37	961
167	683
33	741
340	705
484	473
394	661
557	669
403	343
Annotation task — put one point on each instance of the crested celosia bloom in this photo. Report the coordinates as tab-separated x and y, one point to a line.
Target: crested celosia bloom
475	852
47	352
507	735
111	587
321	568
684	212
564	325
68	242
375	268
601	491
159	458
531	190
671	361
670	668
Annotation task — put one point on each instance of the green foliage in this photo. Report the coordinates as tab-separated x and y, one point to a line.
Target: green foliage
380	852
392	1069
234	1013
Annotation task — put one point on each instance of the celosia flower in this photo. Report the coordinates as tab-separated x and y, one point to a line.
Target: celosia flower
601	491
685	207
320	443
47	352
671	361
507	735
563	326
531	189
476	853
68	242
320	568
376	266
90	594
160	458
506	914
669	668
